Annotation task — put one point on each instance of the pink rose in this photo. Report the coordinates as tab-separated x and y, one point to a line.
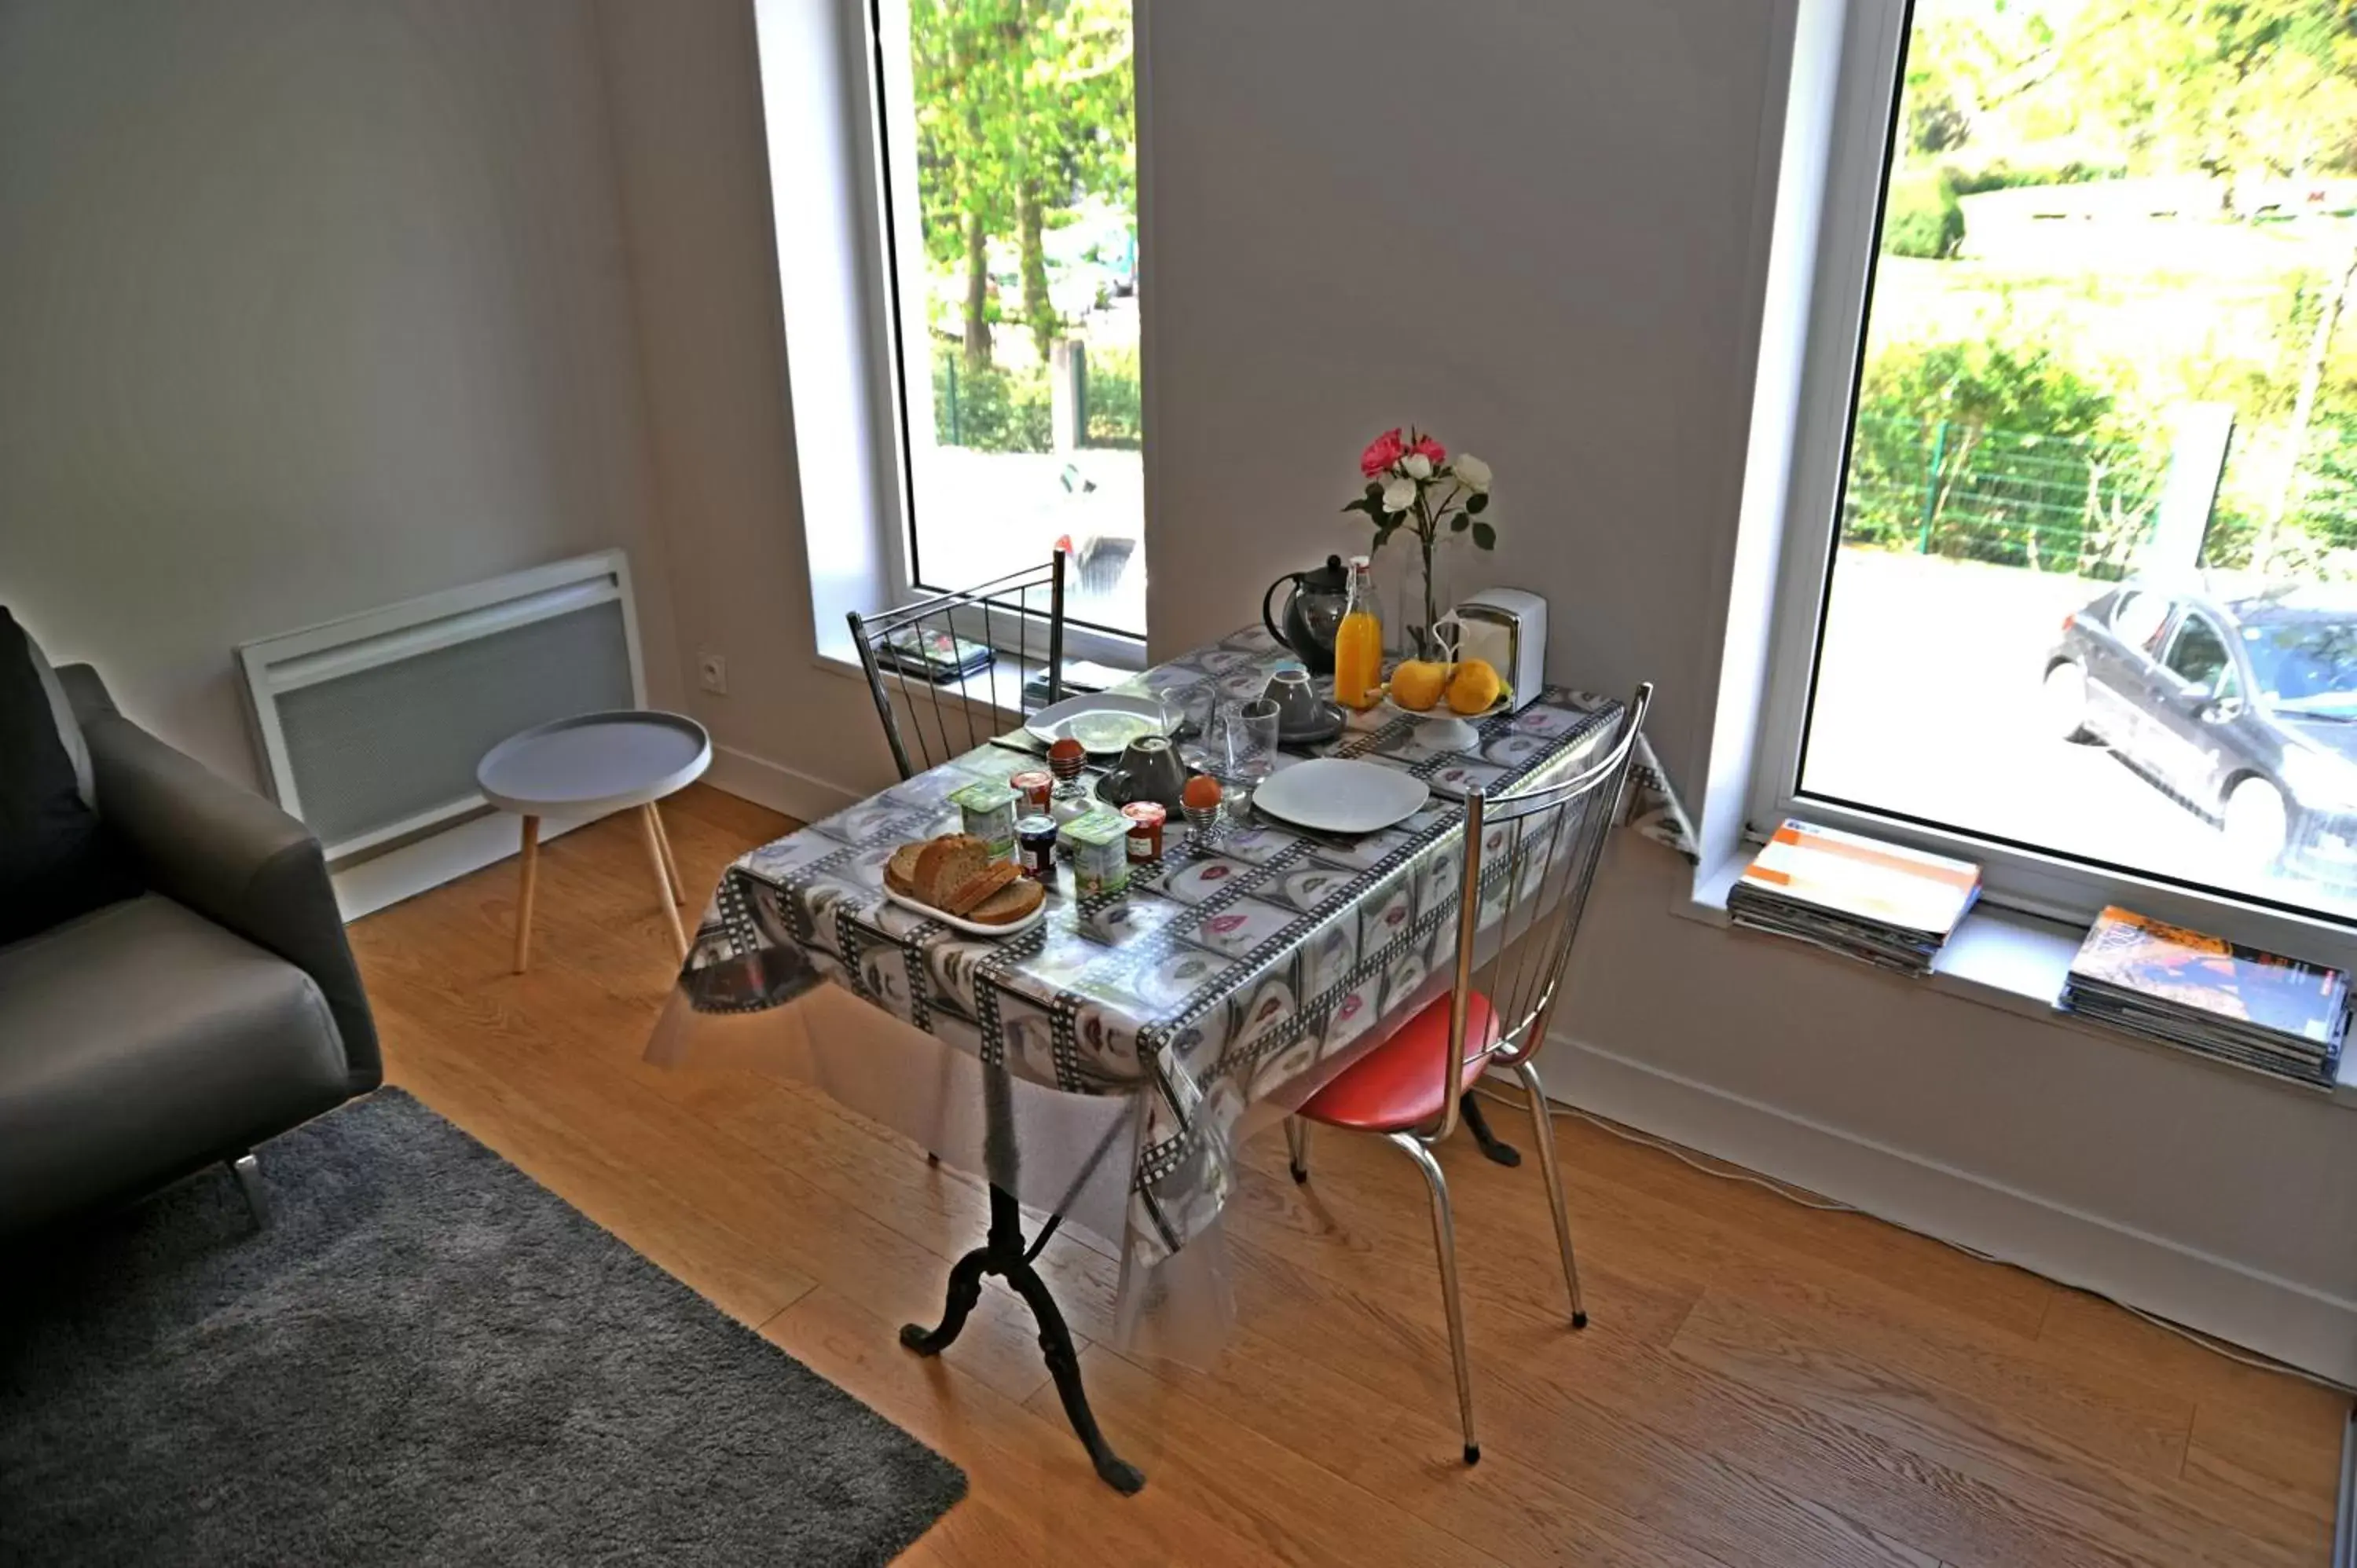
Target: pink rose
1430	449
1381	453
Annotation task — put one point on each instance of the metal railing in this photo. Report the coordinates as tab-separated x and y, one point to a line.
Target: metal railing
1947	487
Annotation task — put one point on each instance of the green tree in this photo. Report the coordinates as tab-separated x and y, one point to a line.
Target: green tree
2233	87
1023	110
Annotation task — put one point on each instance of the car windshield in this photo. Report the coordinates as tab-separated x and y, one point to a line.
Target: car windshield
2306	667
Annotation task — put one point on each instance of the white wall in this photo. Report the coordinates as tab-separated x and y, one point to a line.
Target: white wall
1547	244
684	80
303	308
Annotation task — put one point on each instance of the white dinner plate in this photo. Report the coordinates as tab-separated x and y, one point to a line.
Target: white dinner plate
1104	722
1341	795
974	927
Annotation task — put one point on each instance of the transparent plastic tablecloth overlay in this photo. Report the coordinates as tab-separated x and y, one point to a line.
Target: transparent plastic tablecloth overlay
1106	1065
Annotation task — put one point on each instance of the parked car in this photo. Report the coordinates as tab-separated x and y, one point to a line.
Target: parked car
2242	707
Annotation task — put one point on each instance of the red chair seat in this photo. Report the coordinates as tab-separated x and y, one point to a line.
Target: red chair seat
1396	1086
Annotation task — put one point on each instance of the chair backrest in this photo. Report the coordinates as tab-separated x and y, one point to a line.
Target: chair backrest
1020	618
1530	857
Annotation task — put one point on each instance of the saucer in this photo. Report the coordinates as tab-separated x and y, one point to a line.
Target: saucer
1328	725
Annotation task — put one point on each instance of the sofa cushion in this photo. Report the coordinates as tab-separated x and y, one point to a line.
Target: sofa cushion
141	1040
56	859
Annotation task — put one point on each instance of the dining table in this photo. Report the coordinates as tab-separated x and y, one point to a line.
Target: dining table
1104	1067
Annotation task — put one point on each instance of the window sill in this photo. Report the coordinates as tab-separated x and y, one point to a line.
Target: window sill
2009	960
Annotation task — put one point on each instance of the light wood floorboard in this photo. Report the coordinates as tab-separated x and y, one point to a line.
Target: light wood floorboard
1760	1384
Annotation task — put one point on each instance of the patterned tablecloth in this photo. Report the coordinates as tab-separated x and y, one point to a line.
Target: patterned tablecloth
1219	981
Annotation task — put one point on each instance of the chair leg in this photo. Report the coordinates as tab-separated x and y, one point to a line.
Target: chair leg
1297	1147
248	1171
1444	1241
1542	1128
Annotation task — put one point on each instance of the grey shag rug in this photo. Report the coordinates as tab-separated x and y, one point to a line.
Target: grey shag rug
425	1357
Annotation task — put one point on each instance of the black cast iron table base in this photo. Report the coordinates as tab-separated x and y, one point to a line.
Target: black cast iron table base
1004	1254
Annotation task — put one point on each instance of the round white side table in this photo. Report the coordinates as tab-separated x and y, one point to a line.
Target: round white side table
587	767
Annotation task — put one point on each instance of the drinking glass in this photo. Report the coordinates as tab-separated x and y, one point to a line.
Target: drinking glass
1251	742
1192	708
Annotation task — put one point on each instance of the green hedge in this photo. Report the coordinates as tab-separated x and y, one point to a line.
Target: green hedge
1922	218
1001	410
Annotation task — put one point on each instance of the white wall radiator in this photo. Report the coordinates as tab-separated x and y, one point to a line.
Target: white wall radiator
370	727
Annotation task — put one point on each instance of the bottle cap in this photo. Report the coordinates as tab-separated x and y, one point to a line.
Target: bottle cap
1357	562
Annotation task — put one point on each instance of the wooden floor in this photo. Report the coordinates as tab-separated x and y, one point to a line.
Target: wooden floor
1760	1383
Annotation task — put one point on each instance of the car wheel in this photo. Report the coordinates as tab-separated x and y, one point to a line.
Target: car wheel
2065	698
2259	824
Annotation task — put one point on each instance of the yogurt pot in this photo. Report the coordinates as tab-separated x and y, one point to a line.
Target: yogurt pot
989	811
1098	845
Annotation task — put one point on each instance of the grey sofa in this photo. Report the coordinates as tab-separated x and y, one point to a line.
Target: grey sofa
155	1035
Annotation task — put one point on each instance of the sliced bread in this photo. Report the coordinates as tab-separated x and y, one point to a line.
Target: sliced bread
1009	904
946	864
900	870
981	886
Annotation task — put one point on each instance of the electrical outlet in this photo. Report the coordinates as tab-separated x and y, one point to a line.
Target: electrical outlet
712	673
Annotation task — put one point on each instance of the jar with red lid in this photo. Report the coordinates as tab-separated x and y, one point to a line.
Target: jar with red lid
1146	819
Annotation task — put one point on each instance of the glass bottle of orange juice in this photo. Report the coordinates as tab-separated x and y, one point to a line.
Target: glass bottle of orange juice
1358	643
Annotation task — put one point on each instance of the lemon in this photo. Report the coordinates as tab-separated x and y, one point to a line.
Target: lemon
1474	687
1416	685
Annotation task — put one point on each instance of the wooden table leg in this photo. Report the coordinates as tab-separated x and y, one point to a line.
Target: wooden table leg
531	861
652	830
671	861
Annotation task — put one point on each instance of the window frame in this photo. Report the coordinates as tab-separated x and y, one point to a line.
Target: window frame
1865	120
897	365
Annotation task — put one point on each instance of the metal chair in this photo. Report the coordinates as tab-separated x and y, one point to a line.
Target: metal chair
965	711
1530	857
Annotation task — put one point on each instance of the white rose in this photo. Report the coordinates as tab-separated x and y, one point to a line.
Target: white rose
1473	473
1417	466
1399	495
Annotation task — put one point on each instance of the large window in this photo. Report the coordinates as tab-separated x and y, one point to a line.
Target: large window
2088	602
1010	166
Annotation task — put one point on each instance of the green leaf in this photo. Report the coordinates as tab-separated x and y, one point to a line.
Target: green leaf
1477	502
1374	491
1362	504
1484	536
1458	521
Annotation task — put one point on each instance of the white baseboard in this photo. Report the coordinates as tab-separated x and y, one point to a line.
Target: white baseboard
772	784
2275	1316
469	846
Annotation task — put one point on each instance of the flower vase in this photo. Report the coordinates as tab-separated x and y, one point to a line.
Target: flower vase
1424	596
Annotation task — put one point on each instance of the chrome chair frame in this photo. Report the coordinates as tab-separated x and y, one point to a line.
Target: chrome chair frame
1516	1032
986	613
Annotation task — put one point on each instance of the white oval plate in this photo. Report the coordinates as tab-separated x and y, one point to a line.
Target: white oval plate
1441	727
1104	722
1341	795
974	927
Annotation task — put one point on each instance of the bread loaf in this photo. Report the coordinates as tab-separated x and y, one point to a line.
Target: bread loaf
946	864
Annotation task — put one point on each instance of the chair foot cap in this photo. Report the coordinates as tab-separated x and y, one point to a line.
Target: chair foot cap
1300	1175
1579	1320
1472	1454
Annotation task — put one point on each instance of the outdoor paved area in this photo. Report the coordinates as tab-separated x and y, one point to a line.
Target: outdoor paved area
1930	705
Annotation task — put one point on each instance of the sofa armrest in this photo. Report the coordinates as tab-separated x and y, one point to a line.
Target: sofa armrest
227	853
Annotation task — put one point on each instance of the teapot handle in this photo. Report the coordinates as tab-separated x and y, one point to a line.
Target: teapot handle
1291	579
